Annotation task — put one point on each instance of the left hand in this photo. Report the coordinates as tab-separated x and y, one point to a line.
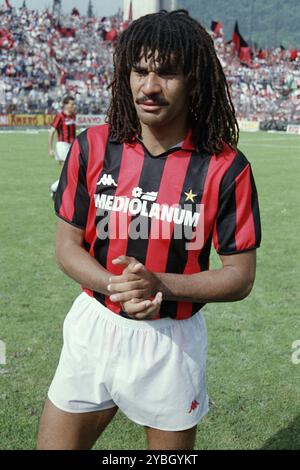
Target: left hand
136	281
139	309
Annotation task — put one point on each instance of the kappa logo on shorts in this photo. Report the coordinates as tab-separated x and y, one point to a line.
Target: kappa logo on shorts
194	405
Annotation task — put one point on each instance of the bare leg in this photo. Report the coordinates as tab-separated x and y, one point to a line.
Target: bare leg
54	186
171	440
60	430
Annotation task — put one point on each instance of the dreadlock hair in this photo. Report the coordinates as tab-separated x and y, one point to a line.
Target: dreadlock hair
174	37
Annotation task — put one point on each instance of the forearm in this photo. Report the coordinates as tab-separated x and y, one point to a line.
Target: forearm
220	285
50	140
82	267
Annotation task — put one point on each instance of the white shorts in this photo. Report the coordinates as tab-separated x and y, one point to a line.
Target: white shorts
61	151
154	371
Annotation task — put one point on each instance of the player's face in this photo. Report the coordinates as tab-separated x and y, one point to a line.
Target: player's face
160	94
70	107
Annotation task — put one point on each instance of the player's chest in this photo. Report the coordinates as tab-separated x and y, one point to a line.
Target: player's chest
166	189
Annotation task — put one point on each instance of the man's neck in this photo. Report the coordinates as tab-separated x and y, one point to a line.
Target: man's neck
159	140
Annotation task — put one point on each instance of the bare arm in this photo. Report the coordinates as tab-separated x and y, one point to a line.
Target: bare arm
50	141
232	282
76	262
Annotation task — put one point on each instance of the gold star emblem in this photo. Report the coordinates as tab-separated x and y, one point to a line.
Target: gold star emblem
190	196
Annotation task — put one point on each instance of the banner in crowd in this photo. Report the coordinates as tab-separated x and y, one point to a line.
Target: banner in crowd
4	120
248	126
86	120
45	120
26	120
31	120
293	129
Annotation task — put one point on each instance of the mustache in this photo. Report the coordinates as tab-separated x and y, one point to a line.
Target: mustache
157	100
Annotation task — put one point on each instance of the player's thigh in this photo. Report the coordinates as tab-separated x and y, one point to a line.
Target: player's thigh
171	440
60	430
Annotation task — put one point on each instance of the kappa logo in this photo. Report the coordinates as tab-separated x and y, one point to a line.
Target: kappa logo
194	405
107	180
147	196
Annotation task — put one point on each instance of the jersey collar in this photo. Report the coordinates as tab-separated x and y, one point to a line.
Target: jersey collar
186	144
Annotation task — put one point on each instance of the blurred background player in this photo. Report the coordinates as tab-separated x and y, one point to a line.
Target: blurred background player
65	126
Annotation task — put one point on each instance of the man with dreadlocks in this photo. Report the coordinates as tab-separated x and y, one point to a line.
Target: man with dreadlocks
139	203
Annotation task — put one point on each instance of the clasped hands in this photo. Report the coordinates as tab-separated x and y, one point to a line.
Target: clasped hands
137	289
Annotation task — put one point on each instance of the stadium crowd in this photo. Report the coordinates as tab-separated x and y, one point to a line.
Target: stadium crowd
267	89
41	60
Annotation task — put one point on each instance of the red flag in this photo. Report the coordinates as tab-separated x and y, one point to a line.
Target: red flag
130	12
217	28
245	55
236	37
294	54
240	45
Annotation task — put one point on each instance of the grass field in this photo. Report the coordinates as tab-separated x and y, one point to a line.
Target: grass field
252	382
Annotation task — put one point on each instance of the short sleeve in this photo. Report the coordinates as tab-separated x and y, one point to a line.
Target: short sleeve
237	227
72	198
56	122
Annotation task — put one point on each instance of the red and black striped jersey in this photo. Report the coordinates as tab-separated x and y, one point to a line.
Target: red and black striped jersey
65	126
165	210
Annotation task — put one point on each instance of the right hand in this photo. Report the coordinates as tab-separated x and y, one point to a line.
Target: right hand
51	153
135	281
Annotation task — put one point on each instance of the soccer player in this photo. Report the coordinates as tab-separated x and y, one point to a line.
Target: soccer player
140	202
65	126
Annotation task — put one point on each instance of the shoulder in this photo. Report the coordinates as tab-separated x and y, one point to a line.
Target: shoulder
97	134
56	121
93	141
235	163
59	116
232	158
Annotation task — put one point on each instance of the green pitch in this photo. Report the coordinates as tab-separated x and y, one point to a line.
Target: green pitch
252	382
